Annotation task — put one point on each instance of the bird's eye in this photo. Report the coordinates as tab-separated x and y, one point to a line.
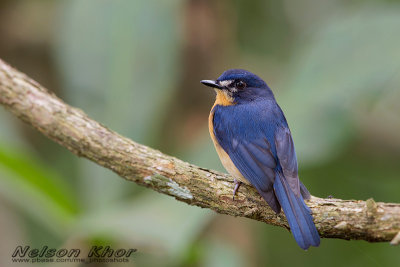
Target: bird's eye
240	85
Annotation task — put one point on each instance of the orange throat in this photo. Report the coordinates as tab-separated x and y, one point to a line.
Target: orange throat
223	98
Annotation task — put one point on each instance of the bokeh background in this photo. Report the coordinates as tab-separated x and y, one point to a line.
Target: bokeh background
135	66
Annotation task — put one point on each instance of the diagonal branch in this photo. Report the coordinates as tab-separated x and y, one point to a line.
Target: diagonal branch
73	129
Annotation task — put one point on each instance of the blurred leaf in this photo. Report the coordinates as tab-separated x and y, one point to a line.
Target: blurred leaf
37	190
124	65
349	63
118	61
277	248
154	223
219	254
9	130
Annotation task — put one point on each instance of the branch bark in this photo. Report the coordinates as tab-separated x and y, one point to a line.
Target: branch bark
73	129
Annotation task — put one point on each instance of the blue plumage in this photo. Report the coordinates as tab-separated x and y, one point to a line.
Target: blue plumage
297	213
251	128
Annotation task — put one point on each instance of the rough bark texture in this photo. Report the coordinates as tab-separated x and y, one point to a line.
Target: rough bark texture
73	129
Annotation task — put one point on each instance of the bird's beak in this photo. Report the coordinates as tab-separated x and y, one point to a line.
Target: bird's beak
211	83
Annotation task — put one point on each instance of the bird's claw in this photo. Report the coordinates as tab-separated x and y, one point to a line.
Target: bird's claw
235	189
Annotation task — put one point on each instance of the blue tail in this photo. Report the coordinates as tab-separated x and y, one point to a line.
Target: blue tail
297	213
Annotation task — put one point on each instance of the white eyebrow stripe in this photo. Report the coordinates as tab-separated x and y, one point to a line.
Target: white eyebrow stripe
225	83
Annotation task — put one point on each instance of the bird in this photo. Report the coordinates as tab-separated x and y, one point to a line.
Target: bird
254	143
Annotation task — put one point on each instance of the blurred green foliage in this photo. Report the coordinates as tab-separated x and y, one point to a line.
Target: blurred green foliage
334	66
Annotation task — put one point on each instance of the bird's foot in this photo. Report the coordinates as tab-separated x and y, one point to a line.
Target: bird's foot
235	189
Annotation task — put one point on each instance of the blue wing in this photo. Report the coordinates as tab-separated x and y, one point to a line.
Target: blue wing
245	133
288	161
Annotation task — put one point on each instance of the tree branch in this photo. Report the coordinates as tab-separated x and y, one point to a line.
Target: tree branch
73	129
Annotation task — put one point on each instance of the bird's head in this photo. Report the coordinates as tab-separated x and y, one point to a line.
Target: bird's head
238	86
